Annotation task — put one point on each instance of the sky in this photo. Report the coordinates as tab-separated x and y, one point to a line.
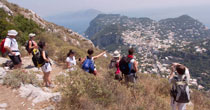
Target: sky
154	9
50	7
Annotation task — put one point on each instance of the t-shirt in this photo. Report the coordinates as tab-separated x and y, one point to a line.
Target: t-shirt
13	45
71	61
132	66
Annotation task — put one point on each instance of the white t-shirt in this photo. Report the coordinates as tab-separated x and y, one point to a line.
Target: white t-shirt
13	45
71	61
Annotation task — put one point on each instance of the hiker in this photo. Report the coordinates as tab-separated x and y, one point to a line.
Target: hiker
31	44
115	64
129	66
70	60
11	46
180	95
46	65
88	62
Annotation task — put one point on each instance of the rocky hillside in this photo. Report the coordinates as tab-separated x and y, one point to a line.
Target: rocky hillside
13	17
158	43
75	90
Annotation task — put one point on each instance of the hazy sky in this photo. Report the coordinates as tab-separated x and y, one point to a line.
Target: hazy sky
50	7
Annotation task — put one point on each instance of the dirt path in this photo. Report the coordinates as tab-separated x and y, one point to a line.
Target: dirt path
28	65
11	97
15	102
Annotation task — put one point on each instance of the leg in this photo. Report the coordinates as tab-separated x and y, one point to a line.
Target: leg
95	72
45	79
182	106
173	104
48	78
16	61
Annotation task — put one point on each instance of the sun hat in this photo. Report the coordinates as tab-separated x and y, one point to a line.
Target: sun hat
116	54
32	35
12	33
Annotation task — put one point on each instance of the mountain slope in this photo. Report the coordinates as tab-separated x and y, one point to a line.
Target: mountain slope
158	43
79	89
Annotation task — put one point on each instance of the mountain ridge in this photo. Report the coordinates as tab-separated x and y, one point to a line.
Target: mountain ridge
156	42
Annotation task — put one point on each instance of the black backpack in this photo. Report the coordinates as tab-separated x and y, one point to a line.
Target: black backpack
27	46
180	91
125	65
37	57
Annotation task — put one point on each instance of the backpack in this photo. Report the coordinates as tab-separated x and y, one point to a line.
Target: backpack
88	65
180	91
125	65
27	46
112	64
3	50
37	58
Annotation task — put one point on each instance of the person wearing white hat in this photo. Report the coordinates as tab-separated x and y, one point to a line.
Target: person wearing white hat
115	64
31	43
11	46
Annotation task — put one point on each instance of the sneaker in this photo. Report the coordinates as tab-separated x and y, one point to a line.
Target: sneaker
51	85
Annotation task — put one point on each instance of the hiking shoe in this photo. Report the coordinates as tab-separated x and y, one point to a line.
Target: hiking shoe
51	85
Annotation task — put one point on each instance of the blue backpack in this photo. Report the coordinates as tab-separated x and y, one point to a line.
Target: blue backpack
88	65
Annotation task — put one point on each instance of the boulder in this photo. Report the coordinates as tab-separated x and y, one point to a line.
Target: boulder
36	94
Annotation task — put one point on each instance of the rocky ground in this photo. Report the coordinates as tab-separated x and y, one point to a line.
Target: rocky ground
28	96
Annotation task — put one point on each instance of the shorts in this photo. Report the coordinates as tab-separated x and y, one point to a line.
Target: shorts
15	59
46	68
130	78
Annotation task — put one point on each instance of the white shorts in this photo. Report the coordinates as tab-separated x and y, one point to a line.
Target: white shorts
46	68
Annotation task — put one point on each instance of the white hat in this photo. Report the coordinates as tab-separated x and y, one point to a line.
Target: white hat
32	35
116	54
12	33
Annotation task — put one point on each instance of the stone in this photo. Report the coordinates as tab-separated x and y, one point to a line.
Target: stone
3	105
36	94
51	107
2	74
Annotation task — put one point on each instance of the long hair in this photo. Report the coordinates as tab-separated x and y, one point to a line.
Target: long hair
41	44
70	52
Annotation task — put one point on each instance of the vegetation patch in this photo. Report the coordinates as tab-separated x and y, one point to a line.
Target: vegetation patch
15	78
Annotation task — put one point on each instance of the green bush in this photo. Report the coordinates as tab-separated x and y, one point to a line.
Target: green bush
23	25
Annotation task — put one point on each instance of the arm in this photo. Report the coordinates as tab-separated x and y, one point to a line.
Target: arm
44	56
172	73
68	65
30	44
187	75
9	50
82	60
7	45
135	65
95	57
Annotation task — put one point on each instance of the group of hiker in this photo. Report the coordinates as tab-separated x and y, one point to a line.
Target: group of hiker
126	67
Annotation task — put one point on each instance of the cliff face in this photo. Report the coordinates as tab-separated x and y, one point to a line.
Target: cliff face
158	43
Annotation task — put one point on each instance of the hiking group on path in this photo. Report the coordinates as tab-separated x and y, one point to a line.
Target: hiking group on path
127	65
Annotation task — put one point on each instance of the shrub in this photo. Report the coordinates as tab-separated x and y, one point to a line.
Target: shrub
15	78
23	25
85	91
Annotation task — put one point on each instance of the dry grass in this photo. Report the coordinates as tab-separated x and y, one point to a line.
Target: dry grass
15	78
85	91
201	100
